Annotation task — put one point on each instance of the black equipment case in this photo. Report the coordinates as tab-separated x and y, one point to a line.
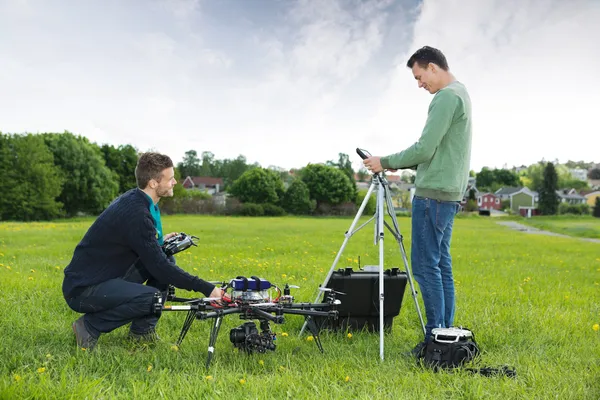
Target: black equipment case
360	304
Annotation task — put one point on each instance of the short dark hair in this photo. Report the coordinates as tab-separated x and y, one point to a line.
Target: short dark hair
426	55
150	166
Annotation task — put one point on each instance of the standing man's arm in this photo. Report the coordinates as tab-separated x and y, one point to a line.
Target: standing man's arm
439	119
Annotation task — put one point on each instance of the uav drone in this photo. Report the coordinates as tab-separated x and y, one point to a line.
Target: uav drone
250	298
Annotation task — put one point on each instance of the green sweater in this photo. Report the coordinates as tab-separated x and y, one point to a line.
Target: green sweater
443	153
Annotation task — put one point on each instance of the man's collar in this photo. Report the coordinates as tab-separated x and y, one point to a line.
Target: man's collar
150	202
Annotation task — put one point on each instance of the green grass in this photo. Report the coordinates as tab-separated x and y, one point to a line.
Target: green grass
532	301
580	226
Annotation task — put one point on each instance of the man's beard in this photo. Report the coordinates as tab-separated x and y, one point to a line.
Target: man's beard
163	192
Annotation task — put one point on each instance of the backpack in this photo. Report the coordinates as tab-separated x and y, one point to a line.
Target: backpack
453	347
449	348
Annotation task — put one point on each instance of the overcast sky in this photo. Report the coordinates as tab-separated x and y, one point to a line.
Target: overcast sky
288	82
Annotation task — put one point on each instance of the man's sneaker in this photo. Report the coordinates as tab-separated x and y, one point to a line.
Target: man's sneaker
419	350
149	337
84	339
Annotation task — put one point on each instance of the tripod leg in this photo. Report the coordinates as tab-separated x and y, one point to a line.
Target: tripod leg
213	339
396	232
347	235
380	235
312	327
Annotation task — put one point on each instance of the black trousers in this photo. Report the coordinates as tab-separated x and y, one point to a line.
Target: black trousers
120	301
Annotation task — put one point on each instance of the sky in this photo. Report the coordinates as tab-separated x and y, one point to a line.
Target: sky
286	83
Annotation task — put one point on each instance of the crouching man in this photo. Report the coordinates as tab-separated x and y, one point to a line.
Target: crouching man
119	253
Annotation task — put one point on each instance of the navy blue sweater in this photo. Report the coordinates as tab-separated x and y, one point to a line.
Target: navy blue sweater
122	233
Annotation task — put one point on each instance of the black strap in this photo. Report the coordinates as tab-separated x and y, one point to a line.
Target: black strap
257	279
490	371
245	282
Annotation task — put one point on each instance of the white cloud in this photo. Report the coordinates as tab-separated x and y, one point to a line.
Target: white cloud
302	82
530	68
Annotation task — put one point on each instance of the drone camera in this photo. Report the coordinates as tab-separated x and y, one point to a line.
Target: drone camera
246	337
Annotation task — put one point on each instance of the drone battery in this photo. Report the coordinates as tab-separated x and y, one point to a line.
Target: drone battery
359	308
242	284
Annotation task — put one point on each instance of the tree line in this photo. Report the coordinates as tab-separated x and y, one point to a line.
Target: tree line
54	175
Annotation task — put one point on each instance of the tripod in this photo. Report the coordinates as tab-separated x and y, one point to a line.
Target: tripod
380	184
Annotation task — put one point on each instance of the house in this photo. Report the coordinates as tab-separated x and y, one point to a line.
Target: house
590	196
578	173
570	196
204	183
505	192
522	200
488	201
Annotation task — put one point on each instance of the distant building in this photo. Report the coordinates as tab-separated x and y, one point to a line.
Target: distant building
205	183
580	174
570	196
488	201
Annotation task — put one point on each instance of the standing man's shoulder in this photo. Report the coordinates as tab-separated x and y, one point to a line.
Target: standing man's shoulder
455	95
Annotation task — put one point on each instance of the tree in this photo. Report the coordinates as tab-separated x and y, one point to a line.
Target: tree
485	178
472	195
548	203
496	178
122	161
296	199
231	170
362	174
206	169
190	166
594	173
90	185
30	183
505	177
596	212
327	184
259	185
345	166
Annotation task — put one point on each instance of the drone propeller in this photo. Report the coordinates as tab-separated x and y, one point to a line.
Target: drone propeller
331	290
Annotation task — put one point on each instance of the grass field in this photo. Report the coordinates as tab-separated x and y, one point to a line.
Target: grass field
580	226
533	302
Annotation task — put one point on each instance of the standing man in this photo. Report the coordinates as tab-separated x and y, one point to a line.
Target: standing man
442	158
121	251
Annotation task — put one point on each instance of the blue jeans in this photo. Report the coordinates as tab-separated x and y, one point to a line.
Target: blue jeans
432	222
117	302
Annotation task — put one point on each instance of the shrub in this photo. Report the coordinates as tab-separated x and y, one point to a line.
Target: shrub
252	210
577	209
371	203
273	210
296	199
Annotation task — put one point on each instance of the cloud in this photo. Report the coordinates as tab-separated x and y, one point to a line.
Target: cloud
287	83
529	67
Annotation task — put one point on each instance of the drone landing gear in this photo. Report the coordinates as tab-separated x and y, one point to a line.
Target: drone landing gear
214	332
314	329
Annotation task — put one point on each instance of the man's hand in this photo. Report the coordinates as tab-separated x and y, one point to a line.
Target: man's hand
217	293
373	164
170	235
